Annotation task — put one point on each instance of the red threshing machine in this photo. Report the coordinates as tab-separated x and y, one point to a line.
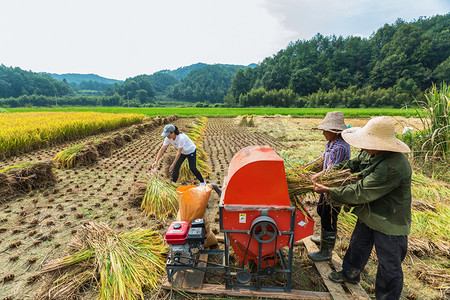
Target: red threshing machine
258	221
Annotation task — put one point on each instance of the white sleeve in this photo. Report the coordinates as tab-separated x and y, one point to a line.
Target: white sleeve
166	142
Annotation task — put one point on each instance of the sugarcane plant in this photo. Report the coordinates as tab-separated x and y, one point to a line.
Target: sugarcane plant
121	264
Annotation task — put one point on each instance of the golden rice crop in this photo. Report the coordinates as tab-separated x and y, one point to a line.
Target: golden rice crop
160	199
30	130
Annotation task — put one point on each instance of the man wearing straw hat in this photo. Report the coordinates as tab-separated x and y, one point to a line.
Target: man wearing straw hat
336	151
382	201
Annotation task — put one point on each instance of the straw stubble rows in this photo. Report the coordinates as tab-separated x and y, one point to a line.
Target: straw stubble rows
36	227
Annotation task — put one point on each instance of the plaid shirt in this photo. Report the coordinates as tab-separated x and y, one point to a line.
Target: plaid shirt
337	152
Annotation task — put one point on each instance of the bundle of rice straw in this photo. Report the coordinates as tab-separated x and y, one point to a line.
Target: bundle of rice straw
300	183
251	122
120	263
78	155
243	121
160	199
316	166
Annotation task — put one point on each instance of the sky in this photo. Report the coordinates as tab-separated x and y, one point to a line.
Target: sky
122	39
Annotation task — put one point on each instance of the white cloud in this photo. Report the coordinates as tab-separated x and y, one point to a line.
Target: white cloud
306	18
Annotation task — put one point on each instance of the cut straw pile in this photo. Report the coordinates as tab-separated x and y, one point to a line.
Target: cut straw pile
243	121
120	263
196	133
247	121
78	155
160	199
25	177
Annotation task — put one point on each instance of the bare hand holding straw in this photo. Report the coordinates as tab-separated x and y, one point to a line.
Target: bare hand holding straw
320	189
315	176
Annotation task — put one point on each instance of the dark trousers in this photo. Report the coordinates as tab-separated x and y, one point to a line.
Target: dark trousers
391	250
328	214
192	159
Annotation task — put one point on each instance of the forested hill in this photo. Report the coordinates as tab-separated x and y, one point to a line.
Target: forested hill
78	78
209	83
15	82
405	57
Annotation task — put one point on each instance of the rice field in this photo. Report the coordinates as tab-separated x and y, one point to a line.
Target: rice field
21	132
38	226
224	112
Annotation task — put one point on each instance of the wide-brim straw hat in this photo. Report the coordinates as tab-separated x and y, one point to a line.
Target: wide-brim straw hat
377	134
333	122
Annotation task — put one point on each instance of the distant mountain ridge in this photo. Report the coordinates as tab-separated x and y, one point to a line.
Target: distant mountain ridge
182	72
78	78
179	74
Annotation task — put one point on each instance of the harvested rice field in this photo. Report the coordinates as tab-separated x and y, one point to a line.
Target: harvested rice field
38	225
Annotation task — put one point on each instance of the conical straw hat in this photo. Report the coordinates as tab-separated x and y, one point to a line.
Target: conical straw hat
333	122
377	134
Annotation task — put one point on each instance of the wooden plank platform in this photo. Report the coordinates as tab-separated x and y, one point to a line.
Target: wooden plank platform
215	289
336	290
355	289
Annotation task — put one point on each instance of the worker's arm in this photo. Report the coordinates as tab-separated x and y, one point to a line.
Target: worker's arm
176	159
160	153
372	187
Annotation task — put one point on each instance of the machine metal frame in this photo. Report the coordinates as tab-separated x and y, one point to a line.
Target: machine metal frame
286	267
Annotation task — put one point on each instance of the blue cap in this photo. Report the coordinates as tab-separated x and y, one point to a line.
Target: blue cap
168	129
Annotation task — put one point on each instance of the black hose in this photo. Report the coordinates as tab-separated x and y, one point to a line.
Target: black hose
216	188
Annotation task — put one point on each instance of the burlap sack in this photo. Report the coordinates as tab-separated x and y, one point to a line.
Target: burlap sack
193	201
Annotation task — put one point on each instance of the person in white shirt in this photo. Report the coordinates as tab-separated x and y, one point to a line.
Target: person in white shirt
186	149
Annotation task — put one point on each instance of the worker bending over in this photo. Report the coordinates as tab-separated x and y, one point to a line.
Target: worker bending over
186	149
382	201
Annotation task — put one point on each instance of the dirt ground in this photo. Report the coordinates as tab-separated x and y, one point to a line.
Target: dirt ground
36	227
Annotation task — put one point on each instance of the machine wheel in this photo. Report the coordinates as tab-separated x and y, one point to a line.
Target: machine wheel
264	230
243	276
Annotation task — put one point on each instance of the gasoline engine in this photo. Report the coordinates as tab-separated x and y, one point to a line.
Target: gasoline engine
185	240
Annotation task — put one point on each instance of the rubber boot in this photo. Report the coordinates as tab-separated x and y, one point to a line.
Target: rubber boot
328	240
315	239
